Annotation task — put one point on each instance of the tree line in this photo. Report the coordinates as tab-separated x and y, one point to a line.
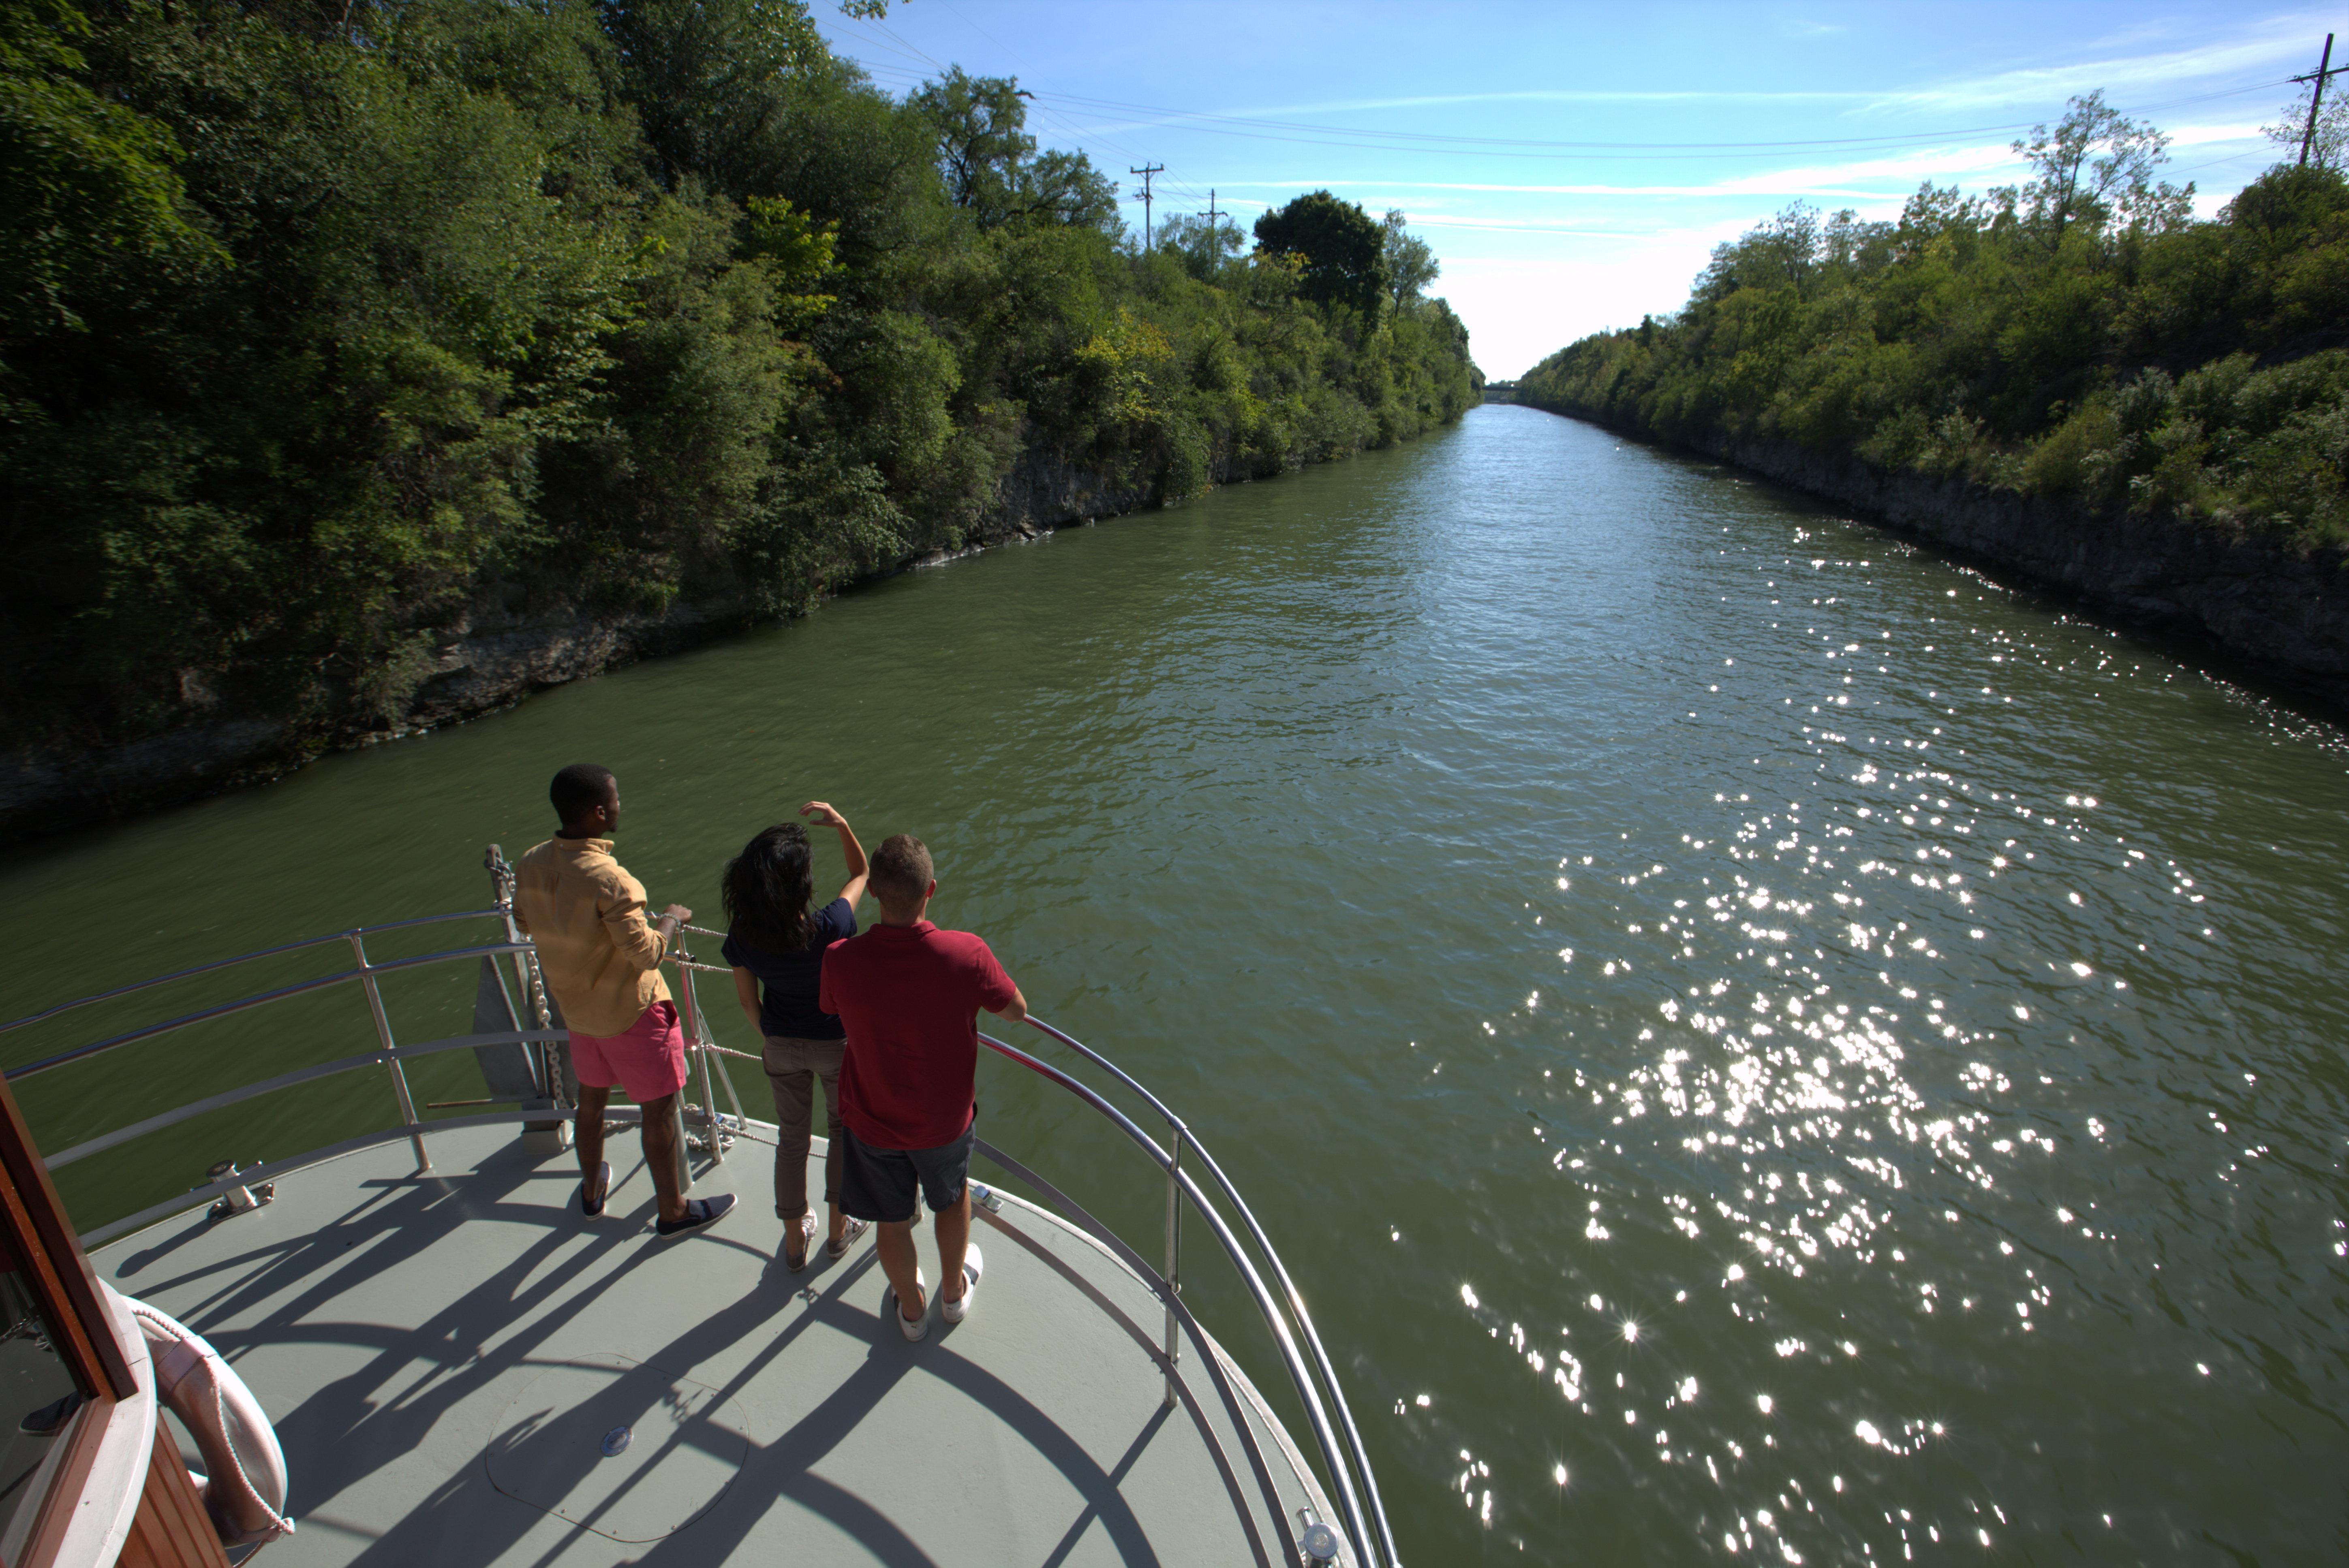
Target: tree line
2081	336
328	327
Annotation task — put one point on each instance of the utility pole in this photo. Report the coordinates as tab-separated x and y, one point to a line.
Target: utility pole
2316	99
1146	170
1215	234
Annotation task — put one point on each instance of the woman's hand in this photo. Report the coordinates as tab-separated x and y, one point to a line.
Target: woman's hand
821	813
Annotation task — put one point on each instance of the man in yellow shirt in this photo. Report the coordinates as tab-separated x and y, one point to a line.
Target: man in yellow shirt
601	959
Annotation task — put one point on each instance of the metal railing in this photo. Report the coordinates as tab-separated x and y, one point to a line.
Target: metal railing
1284	1312
1250	1251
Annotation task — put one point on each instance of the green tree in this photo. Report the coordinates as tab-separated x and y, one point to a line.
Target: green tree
706	78
989	162
83	179
982	142
1342	250
1409	260
2144	363
1205	247
2328	147
2096	166
337	332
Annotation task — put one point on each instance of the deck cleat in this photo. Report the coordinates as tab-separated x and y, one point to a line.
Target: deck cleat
239	1198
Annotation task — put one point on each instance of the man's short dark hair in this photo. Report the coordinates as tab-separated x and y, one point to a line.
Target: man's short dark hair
579	789
901	871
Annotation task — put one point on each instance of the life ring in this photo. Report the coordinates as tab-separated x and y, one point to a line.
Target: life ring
244	1491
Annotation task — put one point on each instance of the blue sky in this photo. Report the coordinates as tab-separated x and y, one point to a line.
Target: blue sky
1573	165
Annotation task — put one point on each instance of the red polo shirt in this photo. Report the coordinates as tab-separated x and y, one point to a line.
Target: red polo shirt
909	996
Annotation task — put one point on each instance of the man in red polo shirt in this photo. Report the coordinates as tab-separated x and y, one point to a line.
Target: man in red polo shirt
909	996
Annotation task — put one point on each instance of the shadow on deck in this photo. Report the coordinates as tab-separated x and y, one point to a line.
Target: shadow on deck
446	1355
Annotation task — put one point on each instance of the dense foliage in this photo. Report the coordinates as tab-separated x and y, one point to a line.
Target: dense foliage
2081	338
327	326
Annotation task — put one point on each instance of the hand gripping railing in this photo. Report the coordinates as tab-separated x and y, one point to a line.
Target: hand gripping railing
1279	1301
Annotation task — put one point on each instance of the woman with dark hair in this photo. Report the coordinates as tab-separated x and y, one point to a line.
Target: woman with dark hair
776	941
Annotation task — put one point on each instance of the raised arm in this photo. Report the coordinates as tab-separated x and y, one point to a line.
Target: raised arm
821	813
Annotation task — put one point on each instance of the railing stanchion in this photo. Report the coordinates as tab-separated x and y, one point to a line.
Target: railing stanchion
709	1109
1174	1260
383	1034
742	1118
525	957
697	1030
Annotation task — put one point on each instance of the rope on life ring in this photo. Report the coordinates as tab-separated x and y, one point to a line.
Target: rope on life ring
244	1491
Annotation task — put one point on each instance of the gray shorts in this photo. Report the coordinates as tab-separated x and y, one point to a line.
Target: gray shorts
878	1184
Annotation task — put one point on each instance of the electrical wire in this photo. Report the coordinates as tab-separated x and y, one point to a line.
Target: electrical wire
1063	113
1305	133
1887	140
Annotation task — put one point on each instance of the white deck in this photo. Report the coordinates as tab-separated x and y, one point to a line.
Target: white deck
443	1356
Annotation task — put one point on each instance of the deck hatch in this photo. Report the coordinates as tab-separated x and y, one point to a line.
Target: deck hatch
554	1446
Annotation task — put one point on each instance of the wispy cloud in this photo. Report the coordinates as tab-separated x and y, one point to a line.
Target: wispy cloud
1861	178
2271	45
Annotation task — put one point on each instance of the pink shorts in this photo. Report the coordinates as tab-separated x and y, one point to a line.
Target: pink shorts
649	1061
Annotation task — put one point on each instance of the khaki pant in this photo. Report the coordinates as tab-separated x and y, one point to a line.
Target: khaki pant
793	1067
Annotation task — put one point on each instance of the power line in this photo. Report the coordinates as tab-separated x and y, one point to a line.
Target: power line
1483	141
1431	141
1260	127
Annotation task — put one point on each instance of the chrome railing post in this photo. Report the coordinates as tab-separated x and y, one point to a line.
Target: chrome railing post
383	1034
697	1031
732	1099
1173	1258
525	967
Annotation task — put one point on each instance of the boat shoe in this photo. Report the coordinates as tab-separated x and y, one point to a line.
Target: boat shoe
700	1213
839	1249
602	1190
807	1243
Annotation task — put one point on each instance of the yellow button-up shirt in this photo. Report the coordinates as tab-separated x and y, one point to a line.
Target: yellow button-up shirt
601	957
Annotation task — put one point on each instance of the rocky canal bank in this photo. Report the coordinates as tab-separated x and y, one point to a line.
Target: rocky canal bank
487	658
2283	611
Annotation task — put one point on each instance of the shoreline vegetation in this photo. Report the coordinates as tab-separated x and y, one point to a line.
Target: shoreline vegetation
2075	376
367	365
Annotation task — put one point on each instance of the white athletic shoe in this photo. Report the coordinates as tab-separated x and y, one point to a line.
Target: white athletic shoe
916	1329
956	1311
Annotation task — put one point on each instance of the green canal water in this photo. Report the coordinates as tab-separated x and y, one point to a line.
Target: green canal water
1756	1042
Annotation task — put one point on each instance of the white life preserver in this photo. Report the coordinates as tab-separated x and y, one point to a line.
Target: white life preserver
246	1491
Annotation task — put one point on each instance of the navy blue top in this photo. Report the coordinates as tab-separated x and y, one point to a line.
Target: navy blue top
787	981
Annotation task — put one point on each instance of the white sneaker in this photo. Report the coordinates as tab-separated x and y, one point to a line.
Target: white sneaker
916	1329
956	1311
